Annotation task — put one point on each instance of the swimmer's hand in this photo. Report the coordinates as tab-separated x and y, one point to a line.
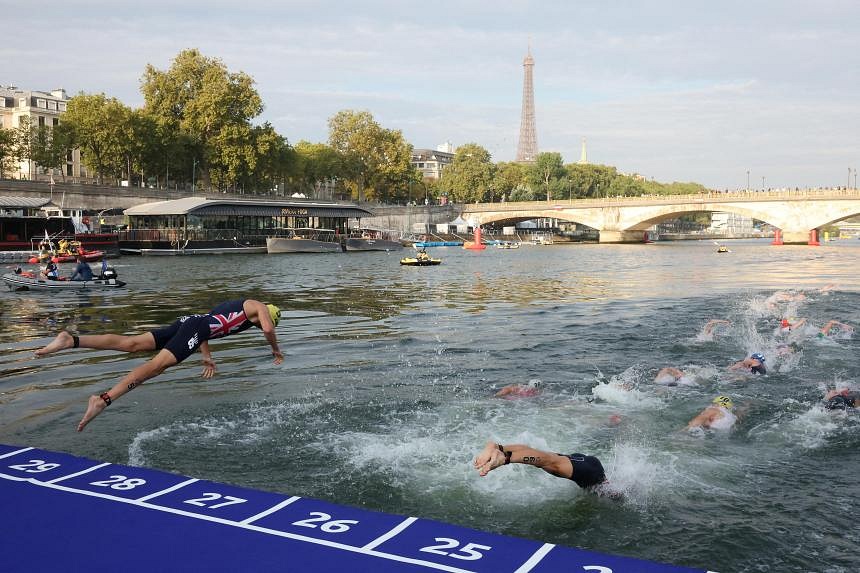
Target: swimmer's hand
209	368
278	356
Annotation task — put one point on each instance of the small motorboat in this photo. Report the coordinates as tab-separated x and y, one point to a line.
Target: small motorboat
722	249
30	281
422	259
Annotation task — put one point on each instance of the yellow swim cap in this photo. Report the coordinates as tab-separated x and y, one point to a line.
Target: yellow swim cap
723	401
275	313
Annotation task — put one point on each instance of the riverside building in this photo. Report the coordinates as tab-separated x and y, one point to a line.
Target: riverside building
19	107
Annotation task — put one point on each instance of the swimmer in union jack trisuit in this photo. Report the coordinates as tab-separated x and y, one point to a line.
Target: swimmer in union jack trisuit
175	343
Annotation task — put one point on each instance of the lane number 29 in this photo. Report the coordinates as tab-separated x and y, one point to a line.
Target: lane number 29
468	552
35	466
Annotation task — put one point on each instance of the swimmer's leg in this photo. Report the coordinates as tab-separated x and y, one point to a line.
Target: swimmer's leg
150	369
135	343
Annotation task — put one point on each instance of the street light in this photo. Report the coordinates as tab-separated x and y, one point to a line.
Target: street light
569	193
193	174
762	182
748	179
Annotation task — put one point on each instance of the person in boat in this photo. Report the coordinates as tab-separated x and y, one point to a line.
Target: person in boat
754	364
174	344
422	255
718	415
51	272
83	272
841	399
585	471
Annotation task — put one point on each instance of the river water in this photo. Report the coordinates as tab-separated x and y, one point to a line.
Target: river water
387	390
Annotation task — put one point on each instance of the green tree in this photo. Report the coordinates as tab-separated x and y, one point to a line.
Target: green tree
209	105
355	134
316	163
375	161
470	176
7	151
590	180
50	146
548	168
100	127
510	178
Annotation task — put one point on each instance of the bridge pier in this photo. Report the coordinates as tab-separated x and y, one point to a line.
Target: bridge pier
796	237
622	236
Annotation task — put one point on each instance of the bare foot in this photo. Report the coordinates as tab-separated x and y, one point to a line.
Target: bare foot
61	342
94	408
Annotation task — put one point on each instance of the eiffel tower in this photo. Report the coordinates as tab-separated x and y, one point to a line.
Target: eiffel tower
527	149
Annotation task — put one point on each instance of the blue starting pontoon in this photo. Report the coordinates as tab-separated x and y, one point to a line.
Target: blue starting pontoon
423	244
65	513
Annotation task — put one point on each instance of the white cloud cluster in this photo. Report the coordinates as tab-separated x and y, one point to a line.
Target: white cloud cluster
692	90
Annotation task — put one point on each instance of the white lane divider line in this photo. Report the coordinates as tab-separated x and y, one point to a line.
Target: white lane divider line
536	558
10	454
391	533
168	490
270	511
82	472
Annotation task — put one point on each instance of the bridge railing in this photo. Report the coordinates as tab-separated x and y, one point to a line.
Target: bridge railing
711	197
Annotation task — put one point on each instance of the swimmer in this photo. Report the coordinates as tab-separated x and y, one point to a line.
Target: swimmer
586	471
843	328
669	376
786	326
755	364
784	296
708	329
841	399
174	343
520	390
717	416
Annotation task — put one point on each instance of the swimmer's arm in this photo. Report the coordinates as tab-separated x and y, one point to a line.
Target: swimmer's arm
702	420
268	328
208	364
799	323
738	365
504	391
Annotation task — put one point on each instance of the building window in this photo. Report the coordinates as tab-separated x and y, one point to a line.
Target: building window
41	103
22	102
52	104
61	105
41	121
56	121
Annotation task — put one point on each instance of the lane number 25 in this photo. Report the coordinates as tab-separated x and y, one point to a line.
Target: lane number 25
468	552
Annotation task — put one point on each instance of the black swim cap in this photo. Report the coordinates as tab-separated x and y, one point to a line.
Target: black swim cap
838	402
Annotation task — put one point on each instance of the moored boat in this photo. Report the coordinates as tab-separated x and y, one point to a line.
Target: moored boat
305	241
29	281
373	240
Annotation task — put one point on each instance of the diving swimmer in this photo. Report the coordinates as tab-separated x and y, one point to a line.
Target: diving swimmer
174	343
586	471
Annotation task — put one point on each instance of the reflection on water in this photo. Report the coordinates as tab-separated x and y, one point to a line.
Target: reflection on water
387	390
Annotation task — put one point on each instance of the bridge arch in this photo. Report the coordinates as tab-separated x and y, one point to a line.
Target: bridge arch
640	221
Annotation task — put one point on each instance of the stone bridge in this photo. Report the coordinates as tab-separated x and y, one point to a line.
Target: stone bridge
625	219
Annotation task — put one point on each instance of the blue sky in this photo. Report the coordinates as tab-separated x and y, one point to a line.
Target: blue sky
675	90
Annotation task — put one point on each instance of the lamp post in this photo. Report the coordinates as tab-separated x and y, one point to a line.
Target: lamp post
569	192
193	174
748	179
855	178
762	182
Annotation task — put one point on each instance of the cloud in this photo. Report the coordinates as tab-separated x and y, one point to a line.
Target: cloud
688	91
